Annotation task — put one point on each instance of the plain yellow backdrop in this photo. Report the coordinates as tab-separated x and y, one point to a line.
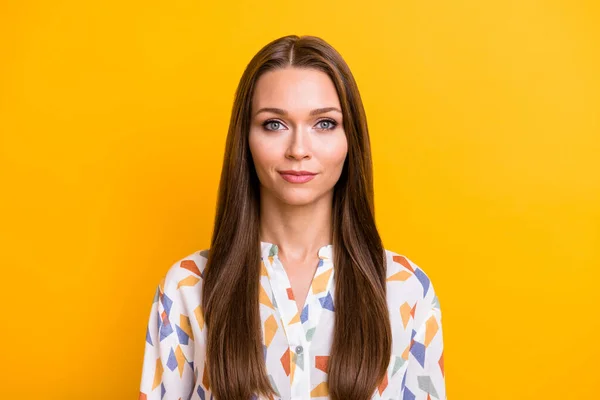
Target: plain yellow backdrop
485	124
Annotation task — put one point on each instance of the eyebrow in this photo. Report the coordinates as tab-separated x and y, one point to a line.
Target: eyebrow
281	111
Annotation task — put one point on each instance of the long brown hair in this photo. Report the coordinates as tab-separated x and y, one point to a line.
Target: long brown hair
362	341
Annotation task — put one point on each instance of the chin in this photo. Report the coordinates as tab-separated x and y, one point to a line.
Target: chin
293	198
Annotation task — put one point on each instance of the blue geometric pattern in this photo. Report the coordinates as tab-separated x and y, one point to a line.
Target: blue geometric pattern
296	333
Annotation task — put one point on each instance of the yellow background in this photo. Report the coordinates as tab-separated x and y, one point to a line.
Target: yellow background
485	125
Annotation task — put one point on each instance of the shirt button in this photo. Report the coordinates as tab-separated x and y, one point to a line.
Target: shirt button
299	349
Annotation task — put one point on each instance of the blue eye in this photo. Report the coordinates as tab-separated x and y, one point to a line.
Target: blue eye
271	122
332	125
274	125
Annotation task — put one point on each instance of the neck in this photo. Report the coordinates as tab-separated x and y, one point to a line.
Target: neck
297	230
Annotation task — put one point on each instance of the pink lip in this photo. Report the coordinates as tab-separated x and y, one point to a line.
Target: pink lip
297	176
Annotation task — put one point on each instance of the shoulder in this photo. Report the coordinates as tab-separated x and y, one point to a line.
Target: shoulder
176	313
184	275
402	268
408	282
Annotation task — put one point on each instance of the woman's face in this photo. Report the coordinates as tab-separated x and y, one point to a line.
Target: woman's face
296	125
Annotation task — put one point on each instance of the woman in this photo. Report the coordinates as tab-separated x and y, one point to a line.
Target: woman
297	298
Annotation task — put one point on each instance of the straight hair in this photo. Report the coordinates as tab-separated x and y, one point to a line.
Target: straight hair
362	340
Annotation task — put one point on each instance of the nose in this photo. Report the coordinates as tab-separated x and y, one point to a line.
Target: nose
299	146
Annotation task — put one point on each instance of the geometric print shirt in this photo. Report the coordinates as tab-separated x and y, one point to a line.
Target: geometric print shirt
296	344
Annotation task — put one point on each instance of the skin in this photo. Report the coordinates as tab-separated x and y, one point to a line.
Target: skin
297	216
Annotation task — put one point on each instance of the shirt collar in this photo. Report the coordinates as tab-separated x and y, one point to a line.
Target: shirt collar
270	250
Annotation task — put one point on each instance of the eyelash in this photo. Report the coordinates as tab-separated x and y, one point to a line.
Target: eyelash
332	122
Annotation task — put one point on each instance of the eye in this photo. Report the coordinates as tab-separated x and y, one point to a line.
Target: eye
326	124
273	123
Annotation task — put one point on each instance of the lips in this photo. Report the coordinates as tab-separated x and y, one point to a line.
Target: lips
294	172
297	176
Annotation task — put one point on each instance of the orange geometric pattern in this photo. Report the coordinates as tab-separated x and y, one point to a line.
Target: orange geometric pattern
296	343
285	361
290	293
321	363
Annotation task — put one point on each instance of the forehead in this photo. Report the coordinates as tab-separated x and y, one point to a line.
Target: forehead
295	88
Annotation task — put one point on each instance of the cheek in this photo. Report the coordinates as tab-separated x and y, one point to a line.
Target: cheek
334	153
261	155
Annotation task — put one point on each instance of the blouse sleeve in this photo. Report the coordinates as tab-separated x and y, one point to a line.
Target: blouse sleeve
167	371
425	374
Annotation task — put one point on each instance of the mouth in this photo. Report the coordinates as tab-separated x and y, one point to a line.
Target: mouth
297	176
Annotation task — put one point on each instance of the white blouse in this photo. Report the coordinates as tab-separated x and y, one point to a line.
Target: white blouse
296	345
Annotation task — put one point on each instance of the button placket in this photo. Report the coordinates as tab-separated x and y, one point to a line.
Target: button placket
290	319
297	334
